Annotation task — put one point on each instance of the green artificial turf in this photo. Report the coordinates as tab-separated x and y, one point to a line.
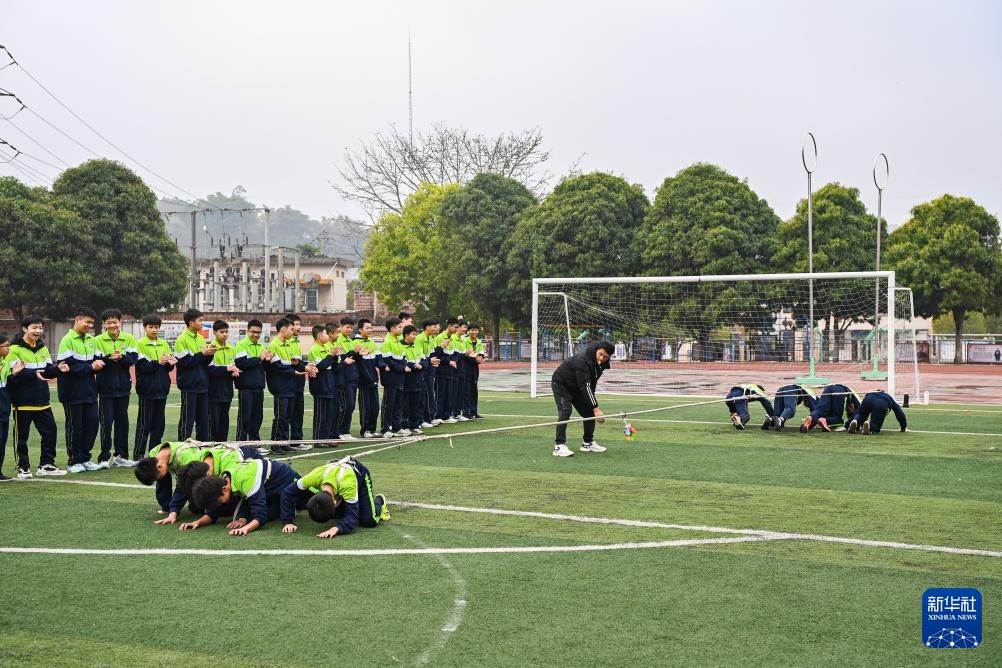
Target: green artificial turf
775	602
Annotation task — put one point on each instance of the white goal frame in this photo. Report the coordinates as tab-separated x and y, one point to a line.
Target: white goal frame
538	283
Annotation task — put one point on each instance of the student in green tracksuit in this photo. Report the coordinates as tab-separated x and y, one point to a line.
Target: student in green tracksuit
325	412
222	372
391	364
117	349
193	359
154	363
76	387
339	490
473	359
4	402
30	367
254	487
250	357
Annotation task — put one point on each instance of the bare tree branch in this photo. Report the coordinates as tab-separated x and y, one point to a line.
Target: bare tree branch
381	174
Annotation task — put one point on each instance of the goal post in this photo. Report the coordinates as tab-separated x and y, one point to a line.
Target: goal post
692	335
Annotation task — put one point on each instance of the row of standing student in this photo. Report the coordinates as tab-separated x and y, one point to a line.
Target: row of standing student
427	377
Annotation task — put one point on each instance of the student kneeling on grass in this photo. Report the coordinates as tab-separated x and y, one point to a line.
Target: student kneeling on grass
737	404
170	458
254	486
836	403
339	490
869	417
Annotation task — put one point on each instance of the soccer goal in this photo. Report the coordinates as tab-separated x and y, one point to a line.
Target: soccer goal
699	335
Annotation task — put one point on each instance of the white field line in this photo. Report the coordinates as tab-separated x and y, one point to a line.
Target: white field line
529	549
724	422
766	534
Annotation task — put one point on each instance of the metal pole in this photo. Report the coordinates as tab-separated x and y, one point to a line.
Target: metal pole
267	261
194	268
533	354
280	288
295	289
881	183
809	157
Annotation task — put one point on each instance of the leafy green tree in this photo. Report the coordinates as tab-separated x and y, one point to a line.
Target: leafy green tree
948	254
483	215
408	255
845	239
46	253
585	227
135	266
706	221
308	250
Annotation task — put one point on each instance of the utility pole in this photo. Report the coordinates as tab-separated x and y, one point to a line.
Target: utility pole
410	92
267	260
194	268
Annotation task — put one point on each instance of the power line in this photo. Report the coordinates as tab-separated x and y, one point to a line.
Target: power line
36	142
92	129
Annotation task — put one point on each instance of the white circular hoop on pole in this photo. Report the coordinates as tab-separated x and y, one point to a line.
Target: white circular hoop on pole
881	176
809	164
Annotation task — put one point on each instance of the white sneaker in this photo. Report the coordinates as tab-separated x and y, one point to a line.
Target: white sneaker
462	418
24	474
50	469
436	422
561	450
301	447
100	465
369	434
388	434
427	425
123	462
416	432
591	447
405	432
347	437
73	468
451	420
91	466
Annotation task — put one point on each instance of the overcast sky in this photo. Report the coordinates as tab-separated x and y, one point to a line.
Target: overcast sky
268	95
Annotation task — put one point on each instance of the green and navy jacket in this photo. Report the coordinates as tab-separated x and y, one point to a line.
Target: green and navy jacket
426	346
78	385
340	475
247	358
323	385
300	381
4	397
26	391
223	457
414	355
114	380
459	348
390	360
281	371
220	380
444	351
192	365
349	372
152	377
181	453
366	361
337	370
472	363
256	481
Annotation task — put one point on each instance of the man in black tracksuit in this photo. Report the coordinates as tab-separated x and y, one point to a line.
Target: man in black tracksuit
573	386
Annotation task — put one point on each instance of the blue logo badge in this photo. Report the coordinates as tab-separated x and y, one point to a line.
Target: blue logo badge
951	618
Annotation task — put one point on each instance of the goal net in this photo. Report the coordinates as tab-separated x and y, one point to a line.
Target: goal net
700	335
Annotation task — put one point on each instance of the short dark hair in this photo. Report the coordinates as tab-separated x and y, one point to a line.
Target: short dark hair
361	322
190	316
428	322
451	321
392	322
607	347
282	323
152	319
409	329
403	315
3	339
321	507
84	312
146	470
255	323
31	319
205	493
473	325
189	474
293	318
347	321
317	329
331	327
110	313
220	324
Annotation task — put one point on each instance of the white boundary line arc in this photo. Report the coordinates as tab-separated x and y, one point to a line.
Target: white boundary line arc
389	552
749	533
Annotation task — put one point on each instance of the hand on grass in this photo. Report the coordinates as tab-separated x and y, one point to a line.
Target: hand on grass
170	519
330	533
290	528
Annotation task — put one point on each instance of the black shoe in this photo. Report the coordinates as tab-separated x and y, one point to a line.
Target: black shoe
280	449
767	424
780	421
477	416
4	478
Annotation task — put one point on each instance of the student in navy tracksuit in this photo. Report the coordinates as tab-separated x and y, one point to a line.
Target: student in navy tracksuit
193	360
153	366
258	483
250	359
349	378
788	397
870	415
325	411
428	399
445	387
368	380
737	404
391	364
76	387
297	406
222	372
117	349
337	375
282	371
836	402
